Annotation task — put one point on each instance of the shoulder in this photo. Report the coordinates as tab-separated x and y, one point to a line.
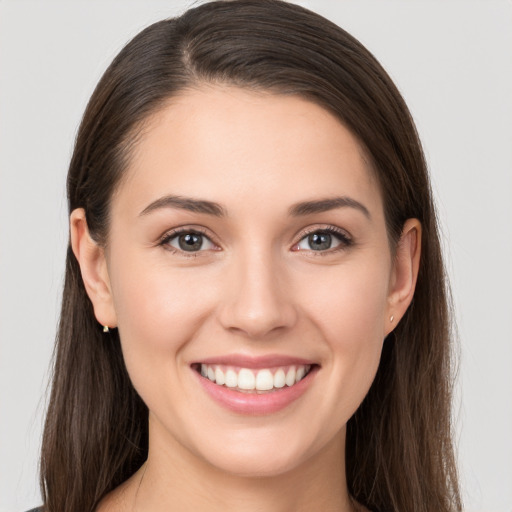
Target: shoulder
38	509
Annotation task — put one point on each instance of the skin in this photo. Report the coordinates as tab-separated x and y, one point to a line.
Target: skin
256	287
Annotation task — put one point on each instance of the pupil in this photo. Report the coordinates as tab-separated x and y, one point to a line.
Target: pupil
319	241
190	242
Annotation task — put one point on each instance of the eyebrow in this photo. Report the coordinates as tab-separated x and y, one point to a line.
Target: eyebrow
324	205
186	203
215	209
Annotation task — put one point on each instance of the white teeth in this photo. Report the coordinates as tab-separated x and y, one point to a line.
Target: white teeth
246	379
290	376
219	376
231	379
279	379
254	380
264	380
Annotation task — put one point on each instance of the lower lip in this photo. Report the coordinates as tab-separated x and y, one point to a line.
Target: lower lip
254	403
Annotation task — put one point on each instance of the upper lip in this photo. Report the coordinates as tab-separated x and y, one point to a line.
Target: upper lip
255	362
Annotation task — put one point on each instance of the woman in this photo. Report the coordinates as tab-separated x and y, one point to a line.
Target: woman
254	311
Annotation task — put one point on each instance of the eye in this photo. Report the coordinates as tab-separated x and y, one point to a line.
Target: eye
188	241
322	240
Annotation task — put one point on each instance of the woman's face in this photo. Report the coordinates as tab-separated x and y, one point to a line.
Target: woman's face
248	241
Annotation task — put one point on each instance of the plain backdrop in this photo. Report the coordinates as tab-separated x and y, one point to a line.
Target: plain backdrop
452	60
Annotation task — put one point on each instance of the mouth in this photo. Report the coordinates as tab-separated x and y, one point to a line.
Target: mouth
255	386
254	380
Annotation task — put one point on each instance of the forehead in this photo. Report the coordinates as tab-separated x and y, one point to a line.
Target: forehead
233	145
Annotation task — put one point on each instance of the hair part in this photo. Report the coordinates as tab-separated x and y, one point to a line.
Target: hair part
93	441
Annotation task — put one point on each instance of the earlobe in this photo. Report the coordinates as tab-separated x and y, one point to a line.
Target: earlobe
405	272
93	266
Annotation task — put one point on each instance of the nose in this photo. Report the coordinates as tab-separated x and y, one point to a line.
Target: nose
258	299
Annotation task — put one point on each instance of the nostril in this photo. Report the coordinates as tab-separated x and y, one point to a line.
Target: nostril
257	309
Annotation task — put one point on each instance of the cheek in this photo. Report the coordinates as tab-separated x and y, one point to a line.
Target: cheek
350	302
349	309
158	311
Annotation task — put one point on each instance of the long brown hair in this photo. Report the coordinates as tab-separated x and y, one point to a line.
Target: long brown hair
399	454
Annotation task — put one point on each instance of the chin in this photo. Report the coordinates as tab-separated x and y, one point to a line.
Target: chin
258	456
258	466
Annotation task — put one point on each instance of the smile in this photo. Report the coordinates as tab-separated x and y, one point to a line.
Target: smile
255	386
248	380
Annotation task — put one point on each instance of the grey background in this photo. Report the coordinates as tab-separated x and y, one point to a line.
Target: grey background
452	62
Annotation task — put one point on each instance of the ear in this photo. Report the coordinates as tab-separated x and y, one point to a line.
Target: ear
405	272
93	265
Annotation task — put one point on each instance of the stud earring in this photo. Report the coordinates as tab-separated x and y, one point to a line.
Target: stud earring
391	318
106	329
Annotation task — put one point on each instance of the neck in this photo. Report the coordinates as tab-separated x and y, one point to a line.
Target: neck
175	479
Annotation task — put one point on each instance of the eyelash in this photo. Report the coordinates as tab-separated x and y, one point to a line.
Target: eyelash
345	240
342	236
164	241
